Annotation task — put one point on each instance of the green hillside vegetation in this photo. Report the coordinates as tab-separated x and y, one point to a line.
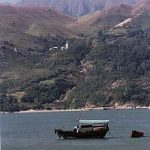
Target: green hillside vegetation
42	78
117	71
103	66
121	71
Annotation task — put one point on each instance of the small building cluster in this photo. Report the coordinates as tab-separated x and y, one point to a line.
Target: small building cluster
65	47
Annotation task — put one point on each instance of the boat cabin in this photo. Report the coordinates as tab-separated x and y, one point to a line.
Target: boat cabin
91	125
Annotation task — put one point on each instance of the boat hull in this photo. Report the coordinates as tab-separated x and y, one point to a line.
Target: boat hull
136	134
74	135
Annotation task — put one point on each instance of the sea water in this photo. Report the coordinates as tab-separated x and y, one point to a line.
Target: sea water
35	131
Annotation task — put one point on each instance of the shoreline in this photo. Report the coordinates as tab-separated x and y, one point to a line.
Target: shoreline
78	110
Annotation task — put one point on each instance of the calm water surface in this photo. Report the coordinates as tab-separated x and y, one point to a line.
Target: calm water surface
35	131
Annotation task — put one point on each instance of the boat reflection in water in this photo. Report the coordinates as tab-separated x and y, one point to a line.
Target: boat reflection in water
86	129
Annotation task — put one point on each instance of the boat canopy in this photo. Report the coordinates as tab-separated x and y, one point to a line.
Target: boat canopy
93	121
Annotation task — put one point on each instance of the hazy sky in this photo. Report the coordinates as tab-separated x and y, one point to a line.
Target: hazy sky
10	1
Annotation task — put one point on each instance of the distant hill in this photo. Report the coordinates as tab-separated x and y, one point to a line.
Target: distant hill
104	19
113	16
27	23
75	7
142	5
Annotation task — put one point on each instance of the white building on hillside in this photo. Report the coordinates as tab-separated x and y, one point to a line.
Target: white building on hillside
67	45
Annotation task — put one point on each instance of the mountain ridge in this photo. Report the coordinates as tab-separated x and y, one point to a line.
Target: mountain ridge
112	16
106	18
75	7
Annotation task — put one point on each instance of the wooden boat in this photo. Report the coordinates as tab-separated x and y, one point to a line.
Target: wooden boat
137	134
86	129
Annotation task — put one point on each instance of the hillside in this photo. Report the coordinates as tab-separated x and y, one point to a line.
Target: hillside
25	24
117	71
39	78
103	68
75	7
103	19
141	6
113	17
